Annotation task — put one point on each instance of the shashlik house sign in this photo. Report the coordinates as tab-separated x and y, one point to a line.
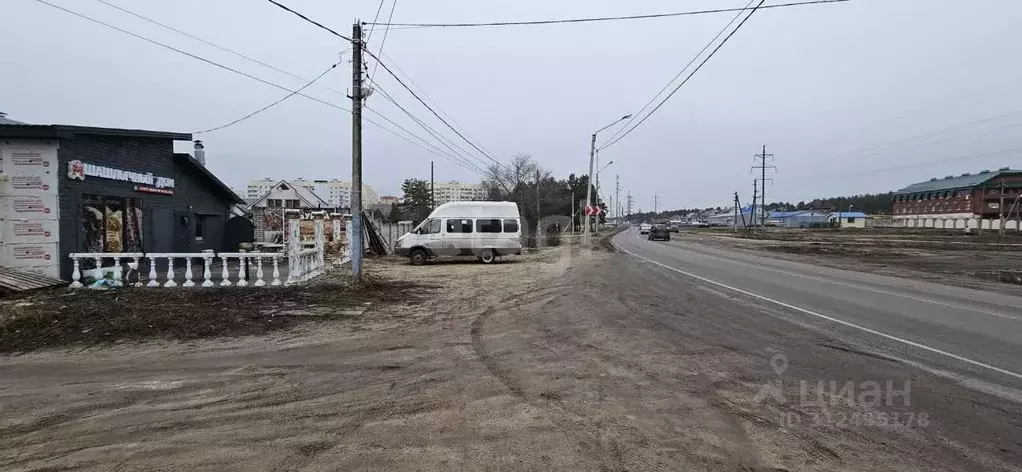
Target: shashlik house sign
77	170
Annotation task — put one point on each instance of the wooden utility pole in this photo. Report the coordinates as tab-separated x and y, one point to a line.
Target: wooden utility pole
432	194
357	246
537	208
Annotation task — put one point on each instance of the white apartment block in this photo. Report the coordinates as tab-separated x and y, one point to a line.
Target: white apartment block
335	192
458	192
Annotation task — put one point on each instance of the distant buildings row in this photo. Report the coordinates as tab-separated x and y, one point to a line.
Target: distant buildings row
336	193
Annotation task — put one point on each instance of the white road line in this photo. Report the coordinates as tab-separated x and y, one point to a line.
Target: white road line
830	318
861	287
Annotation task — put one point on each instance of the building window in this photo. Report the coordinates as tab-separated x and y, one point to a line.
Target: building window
851	220
200	227
459	226
487	226
292	204
273	202
510	226
112	224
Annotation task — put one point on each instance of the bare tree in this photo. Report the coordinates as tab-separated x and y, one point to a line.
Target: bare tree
504	181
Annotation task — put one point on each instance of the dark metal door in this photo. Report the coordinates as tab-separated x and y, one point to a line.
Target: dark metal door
183	221
161	224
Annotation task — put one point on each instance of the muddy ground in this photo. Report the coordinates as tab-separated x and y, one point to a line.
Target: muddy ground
985	261
558	360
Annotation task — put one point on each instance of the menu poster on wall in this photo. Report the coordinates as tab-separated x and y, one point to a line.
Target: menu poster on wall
40	256
29	231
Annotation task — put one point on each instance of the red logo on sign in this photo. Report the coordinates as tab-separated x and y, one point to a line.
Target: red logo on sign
76	170
46	163
46	210
47	257
46	233
46	187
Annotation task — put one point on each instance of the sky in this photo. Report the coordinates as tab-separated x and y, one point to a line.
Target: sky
854	97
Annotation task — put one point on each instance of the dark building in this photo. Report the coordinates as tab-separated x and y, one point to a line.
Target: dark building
966	195
106	190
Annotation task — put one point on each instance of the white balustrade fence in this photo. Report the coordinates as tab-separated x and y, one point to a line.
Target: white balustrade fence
304	264
255	269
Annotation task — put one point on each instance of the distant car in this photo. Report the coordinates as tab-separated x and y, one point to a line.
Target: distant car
674	227
644	228
662	232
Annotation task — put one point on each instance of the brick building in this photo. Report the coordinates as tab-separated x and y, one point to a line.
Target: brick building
964	196
67	189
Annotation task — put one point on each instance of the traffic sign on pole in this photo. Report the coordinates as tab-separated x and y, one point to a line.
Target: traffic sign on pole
593	210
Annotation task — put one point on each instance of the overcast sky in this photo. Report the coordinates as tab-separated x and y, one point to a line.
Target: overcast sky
837	92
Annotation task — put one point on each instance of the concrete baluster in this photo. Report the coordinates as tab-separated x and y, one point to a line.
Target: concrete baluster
117	272
224	274
76	274
188	273
259	272
207	260
276	270
152	273
170	273
242	278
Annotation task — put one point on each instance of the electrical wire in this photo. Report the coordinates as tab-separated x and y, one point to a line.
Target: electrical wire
636	114
594	19
700	66
379	8
392	74
263	81
444	141
254	113
386	30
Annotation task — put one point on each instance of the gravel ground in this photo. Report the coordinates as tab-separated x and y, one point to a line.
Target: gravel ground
557	360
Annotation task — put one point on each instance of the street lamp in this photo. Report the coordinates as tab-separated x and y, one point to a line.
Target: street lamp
589	183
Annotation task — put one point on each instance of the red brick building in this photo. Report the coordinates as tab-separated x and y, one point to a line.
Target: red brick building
964	196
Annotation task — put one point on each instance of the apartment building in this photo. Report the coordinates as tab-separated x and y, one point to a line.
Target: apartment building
337	193
458	192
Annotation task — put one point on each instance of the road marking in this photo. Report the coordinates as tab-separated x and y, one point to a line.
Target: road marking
828	318
861	287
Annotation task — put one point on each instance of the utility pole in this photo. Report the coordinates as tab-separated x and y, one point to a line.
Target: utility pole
1000	209
357	246
572	212
617	197
432	195
734	222
628	212
755	190
537	208
656	200
589	188
762	166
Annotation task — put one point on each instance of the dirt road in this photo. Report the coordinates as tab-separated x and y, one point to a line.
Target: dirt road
588	362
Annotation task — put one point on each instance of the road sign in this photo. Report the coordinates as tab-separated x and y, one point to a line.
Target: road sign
593	210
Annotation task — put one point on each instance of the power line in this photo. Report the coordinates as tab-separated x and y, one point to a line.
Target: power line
593	19
281	87
208	43
384	41
373	27
700	66
430	130
636	114
285	97
399	81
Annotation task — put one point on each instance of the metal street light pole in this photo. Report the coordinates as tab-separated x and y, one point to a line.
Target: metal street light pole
589	177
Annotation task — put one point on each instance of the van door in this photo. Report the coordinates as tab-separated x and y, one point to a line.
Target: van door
431	237
458	237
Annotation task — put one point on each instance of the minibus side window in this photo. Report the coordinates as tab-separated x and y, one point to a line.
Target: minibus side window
459	225
487	226
510	226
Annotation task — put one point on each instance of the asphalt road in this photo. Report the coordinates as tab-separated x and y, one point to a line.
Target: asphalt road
970	335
